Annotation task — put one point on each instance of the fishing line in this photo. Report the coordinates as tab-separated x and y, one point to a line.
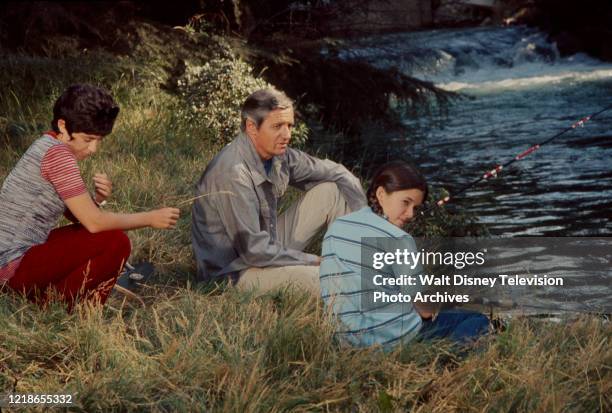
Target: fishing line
497	169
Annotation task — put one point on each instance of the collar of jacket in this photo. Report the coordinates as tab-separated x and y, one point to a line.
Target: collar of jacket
254	162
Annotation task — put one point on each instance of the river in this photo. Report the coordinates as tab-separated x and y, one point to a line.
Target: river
518	91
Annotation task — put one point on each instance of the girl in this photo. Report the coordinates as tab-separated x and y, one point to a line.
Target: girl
83	259
397	189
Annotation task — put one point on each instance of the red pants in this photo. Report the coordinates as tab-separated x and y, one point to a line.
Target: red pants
73	262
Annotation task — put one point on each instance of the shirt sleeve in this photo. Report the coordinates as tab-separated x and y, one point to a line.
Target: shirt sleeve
306	171
59	167
238	214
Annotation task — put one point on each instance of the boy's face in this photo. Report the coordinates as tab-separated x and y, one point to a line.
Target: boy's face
83	145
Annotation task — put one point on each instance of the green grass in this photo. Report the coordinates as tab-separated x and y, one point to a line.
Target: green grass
192	350
201	348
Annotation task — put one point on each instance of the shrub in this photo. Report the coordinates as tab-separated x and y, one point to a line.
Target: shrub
214	92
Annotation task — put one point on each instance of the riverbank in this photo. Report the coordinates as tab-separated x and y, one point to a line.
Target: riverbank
574	28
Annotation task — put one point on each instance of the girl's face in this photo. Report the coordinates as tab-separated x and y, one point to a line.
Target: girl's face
399	206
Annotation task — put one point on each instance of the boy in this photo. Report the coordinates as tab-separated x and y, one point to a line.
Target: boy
82	259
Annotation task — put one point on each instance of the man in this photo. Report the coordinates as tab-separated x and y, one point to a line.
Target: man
235	228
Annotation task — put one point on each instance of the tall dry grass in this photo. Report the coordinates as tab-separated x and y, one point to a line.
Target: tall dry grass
196	350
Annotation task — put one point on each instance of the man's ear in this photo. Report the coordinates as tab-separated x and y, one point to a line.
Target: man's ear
64	135
251	128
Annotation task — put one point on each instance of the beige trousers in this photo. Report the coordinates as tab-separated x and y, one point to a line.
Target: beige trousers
297	226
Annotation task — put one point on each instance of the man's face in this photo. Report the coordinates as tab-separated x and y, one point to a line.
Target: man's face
273	135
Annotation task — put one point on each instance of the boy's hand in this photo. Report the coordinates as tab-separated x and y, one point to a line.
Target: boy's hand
104	187
164	218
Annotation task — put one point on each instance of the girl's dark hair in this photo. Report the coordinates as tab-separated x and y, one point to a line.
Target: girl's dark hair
395	176
87	109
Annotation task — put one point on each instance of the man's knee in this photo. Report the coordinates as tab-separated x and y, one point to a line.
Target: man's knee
329	188
301	277
327	193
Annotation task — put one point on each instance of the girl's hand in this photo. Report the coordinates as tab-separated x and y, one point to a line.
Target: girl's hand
164	218
104	187
426	310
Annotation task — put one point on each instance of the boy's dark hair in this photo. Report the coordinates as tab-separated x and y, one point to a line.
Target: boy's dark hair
87	109
395	176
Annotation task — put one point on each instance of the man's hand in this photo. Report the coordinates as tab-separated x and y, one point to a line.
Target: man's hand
104	187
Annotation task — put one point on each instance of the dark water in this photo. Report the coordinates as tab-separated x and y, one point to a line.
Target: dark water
519	92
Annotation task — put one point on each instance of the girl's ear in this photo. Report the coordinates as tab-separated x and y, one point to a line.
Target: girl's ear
380	193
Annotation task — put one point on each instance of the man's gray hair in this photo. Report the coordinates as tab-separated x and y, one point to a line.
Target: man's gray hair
257	106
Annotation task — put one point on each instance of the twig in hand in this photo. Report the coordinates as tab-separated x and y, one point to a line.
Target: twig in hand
187	201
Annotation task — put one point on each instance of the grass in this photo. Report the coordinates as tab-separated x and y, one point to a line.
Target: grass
204	348
192	350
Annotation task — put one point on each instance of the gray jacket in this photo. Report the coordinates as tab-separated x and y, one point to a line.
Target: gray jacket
236	229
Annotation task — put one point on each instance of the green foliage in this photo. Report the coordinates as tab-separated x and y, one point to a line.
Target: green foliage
345	95
214	91
442	221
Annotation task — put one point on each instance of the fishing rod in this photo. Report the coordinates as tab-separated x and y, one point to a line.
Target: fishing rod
497	169
510	304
